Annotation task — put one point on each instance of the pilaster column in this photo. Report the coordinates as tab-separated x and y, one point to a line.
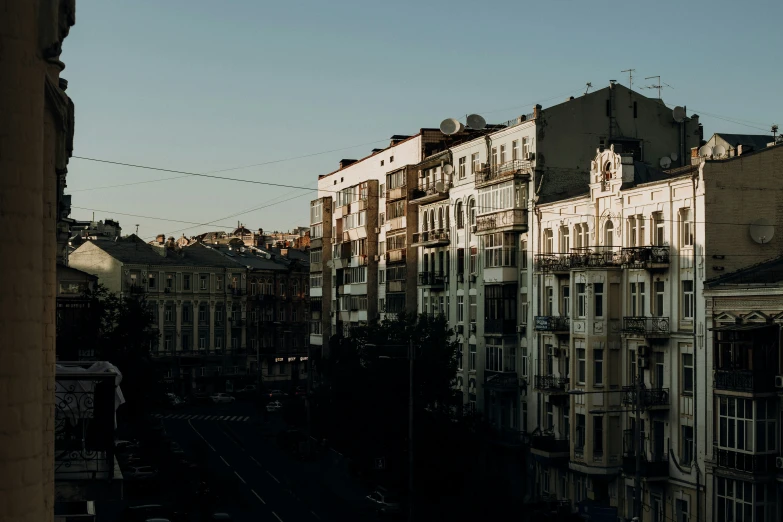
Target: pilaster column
178	327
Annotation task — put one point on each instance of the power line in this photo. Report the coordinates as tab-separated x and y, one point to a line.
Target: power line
110	212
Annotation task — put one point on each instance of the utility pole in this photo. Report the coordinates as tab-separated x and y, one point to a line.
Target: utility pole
637	480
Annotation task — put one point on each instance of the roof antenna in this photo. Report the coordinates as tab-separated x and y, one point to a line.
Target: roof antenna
137	229
630	78
774	131
589	86
659	86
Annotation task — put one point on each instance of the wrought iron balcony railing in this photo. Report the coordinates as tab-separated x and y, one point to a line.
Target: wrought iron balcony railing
431	279
595	257
646	326
553	263
502	171
651	397
430	192
84	422
645	256
552	323
742	380
431	238
551	383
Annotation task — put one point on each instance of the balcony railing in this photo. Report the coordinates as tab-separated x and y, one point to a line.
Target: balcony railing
394	285
430	193
595	257
396	193
431	238
646	326
432	279
744	462
395	256
645	257
503	171
649	468
552	323
553	263
651	397
551	383
502	220
500	326
750	381
549	444
84	422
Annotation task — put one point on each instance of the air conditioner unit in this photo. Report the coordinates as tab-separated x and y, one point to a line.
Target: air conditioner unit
472	327
521	328
530	155
779	462
779	381
473	229
377	257
472	278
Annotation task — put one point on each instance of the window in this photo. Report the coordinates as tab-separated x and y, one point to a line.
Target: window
494	156
219	314
523	254
687	300
472	211
550	416
460	309
598	436
316	208
472	308
687	373
170	281
686	228
549	299
186	281
581	364
502	154
766	425
473	260
659	230
382	190
218	340
494	355
598	366
581	235
598	289
549	241
515	150
526	147
151	277
507	195
659	299
168	313
686	445
316	280
460	216
580	432
636	230
524	361
202	313
462	167
637	299
581	300
475	164
202	343
381	277
167	342
739	501
608	233
472	358
203	281
186	346
218	282
565	240
499	250
391	159
395	180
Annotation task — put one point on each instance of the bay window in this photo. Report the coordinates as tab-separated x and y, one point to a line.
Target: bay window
499	250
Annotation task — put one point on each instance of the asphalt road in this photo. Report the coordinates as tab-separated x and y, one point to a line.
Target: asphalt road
260	480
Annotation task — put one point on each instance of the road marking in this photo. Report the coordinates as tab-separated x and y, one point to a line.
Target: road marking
273	477
336	451
240	477
254	460
246	419
212	417
202	436
313	513
224	462
257	496
277	517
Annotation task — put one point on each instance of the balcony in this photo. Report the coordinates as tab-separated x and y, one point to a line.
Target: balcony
395	256
549	447
595	257
511	220
502	381
647	257
433	238
432	280
741	380
394	285
430	194
650	469
492	174
744	462
136	289
553	263
500	326
553	323
84	463
648	327
237	291
396	193
652	398
551	384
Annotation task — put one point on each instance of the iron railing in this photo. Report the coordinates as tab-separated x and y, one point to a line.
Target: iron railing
552	323
84	423
645	257
502	171
595	257
423	191
744	462
439	236
646	326
651	397
431	279
751	381
551	383
550	444
553	262
501	219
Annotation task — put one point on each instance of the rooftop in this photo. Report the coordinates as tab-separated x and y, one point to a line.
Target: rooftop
766	273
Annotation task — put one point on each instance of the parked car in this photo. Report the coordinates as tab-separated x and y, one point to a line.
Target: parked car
276	394
142	472
200	398
126	445
383	501
274	406
250	388
222	397
144	512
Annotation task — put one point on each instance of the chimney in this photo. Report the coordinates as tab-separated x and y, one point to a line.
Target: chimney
345	162
160	239
536	111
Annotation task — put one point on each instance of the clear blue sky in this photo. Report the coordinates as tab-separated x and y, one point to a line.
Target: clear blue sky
208	85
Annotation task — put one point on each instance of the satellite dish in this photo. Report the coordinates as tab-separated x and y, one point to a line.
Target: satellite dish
705	151
439	186
678	113
719	151
762	230
450	126
448	169
674	156
476	122
665	162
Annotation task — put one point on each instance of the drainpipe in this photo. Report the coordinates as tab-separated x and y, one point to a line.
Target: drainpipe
694	183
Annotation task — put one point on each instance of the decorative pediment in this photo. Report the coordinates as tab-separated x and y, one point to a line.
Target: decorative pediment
726	318
777	318
755	317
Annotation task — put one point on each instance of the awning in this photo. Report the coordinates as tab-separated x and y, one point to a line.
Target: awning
740	327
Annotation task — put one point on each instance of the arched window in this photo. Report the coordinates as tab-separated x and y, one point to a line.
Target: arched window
440	218
432	219
472	211
460	216
424	222
608	233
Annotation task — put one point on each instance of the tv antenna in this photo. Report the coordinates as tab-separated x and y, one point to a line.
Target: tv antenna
630	78
589	86
137	229
660	85
774	131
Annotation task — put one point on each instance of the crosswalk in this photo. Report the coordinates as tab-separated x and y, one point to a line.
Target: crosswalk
176	416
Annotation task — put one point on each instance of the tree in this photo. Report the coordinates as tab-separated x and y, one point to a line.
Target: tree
126	331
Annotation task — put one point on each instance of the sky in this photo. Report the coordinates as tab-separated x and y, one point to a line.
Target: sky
202	86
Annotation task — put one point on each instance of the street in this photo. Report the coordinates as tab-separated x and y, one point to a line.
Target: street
264	481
